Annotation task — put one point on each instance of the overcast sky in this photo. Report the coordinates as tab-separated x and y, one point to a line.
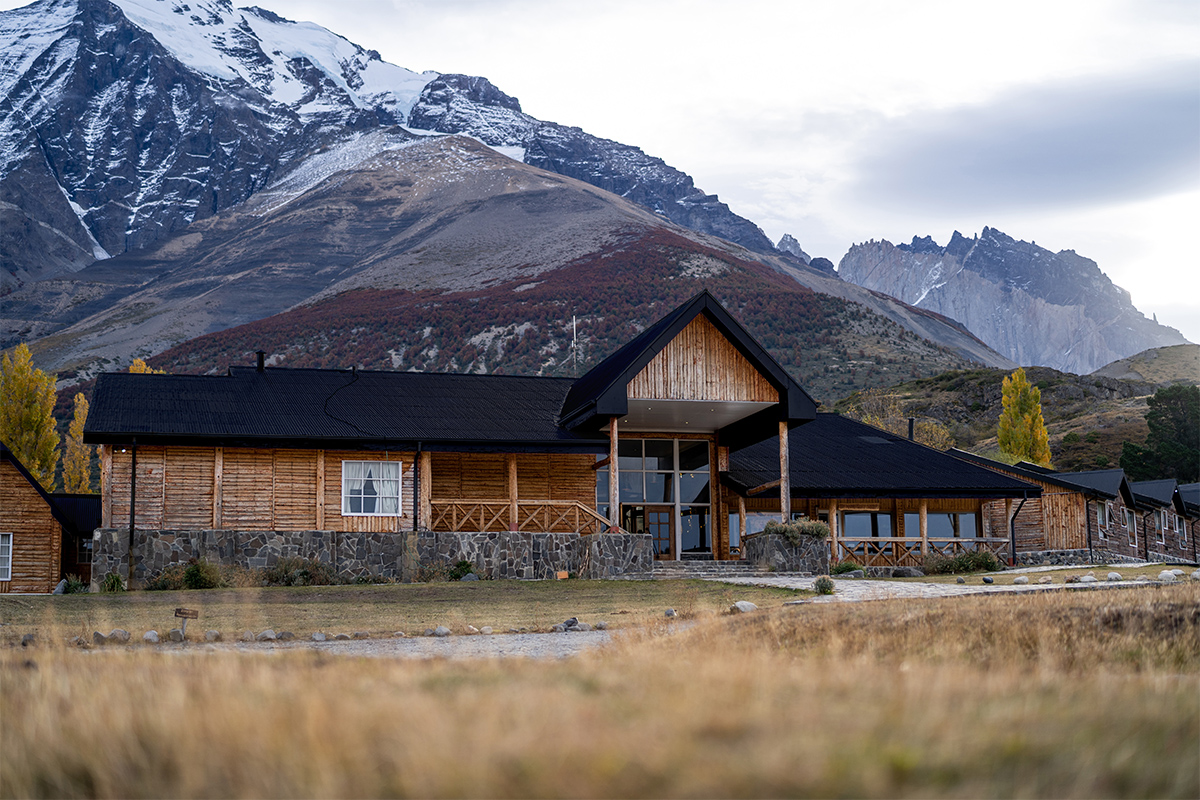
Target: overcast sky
1075	124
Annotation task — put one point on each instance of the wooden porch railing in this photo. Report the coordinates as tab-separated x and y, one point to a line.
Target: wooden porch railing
533	516
897	551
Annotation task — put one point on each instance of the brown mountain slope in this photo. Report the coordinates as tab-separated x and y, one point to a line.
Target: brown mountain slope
386	212
1162	366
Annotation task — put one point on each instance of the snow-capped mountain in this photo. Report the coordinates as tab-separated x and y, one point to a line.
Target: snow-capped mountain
1034	306
124	121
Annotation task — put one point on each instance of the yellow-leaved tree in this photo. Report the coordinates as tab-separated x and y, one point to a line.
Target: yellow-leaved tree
881	410
27	414
140	366
1022	434
77	460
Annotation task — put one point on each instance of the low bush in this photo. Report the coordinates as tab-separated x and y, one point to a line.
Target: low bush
842	567
112	583
797	530
460	570
970	561
294	571
823	585
201	575
169	580
76	585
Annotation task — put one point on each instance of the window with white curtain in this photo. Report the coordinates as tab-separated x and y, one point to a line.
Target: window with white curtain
371	488
5	556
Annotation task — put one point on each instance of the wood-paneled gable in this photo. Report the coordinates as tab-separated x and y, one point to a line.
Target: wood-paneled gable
36	534
701	364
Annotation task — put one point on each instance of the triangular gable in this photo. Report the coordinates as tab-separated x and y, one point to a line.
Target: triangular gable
700	363
603	392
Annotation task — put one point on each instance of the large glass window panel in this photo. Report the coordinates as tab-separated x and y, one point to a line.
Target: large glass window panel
602	485
693	456
856	525
940	526
912	526
660	455
693	487
883	525
694	529
630	486
629	454
735	532
659	487
966	526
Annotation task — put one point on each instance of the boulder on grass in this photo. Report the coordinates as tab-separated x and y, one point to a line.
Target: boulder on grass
742	607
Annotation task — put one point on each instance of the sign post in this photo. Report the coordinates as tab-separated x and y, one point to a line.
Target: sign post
185	614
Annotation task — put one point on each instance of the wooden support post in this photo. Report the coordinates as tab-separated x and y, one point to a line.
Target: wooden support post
425	489
320	490
106	487
218	490
741	521
785	475
614	512
513	522
924	528
833	530
132	510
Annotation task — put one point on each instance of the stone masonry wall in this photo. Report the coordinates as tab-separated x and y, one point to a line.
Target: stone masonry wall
780	555
388	555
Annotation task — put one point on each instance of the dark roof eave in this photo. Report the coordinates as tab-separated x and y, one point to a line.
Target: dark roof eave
312	443
802	492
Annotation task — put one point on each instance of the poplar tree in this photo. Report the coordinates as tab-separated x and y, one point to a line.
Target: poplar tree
1022	434
141	367
27	414
77	460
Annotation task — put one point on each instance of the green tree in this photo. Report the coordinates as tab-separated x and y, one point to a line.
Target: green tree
27	414
1172	448
77	460
1022	435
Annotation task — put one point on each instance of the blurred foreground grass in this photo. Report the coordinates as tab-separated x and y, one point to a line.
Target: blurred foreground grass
1091	694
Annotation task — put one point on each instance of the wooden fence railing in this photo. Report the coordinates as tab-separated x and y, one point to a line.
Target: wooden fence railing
895	551
532	516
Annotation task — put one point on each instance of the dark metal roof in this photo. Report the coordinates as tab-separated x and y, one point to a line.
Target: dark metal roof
1157	494
1104	483
835	456
77	513
1189	493
601	393
1109	483
334	408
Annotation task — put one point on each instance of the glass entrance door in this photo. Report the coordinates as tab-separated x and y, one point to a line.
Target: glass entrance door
660	524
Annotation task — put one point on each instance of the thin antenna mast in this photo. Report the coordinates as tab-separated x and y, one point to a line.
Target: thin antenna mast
574	348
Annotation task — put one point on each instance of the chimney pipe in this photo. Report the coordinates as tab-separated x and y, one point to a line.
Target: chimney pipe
262	360
912	424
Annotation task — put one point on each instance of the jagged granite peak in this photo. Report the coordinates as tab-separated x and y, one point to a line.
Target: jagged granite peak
788	244
1034	306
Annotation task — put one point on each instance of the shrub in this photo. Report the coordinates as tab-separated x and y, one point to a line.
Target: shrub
795	530
1071	438
201	575
76	585
170	579
295	571
823	585
430	573
971	561
112	583
459	570
842	567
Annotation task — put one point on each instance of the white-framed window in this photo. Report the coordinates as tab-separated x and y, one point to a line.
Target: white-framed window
1164	522
5	556
1103	515
371	488
1131	526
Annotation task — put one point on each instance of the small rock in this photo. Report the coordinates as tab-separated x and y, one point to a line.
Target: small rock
470	576
1196	575
1021	580
1166	575
61	588
486	630
1045	579
118	635
399	635
472	629
960	579
247	636
510	630
907	572
341	637
441	631
559	628
266	636
361	635
150	637
583	626
27	640
175	635
212	636
601	626
670	612
854	573
286	636
571	623
1072	579
1089	578
98	637
988	579
1114	576
1178	573
319	637
429	631
742	607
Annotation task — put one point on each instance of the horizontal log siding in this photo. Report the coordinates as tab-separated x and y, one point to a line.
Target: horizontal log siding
247	490
36	534
701	364
334	520
295	495
189	488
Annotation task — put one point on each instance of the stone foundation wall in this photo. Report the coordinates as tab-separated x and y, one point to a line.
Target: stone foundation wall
1100	555
776	553
387	555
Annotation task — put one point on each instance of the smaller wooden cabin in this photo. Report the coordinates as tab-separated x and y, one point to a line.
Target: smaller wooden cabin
1163	516
36	527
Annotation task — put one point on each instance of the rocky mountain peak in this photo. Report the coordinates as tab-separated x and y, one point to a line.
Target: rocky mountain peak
788	244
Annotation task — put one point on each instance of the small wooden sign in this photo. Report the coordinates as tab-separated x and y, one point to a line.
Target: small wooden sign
562	575
187	613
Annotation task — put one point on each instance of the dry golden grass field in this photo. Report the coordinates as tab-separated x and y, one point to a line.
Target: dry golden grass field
1065	694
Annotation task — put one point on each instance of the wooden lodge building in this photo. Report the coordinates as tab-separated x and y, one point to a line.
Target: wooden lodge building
43	536
679	445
